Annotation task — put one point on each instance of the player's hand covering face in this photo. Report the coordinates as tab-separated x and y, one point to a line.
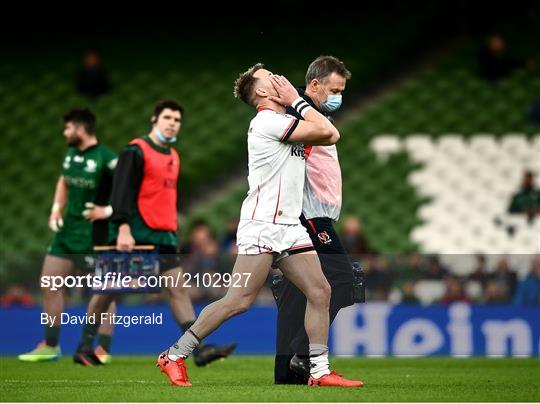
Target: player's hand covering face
286	93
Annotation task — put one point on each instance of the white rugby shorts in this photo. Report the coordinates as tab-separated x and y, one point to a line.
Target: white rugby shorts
254	237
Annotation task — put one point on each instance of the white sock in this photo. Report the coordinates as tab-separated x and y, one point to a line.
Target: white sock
318	358
185	345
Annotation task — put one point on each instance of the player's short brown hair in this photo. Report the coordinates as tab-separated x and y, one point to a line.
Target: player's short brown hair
324	66
164	104
245	84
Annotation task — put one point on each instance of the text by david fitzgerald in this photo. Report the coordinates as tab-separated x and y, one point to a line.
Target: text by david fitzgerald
104	318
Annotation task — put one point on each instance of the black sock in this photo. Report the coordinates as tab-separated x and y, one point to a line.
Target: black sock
52	335
88	335
105	341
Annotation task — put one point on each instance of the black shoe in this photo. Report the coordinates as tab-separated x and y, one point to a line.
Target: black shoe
209	353
300	367
86	357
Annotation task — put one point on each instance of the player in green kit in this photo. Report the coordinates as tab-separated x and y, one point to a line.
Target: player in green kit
79	218
145	201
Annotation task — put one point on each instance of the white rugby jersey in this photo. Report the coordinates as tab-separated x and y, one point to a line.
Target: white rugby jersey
322	190
276	170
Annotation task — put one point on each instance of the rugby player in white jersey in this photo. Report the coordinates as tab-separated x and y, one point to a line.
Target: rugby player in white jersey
270	230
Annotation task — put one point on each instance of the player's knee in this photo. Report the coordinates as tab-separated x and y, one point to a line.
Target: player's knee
320	294
175	292
326	292
103	303
50	291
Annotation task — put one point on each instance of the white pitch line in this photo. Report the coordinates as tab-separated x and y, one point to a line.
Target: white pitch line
83	381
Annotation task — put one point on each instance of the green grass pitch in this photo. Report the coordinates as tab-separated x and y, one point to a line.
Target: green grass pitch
249	378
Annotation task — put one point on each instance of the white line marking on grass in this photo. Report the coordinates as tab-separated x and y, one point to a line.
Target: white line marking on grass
82	381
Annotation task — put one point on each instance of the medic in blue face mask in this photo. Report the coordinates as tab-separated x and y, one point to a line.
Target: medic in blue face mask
328	92
333	102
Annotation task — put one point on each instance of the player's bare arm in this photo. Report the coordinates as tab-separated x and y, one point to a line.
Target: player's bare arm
315	129
60	198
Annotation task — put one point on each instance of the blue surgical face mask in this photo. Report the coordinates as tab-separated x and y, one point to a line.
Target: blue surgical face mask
164	139
332	103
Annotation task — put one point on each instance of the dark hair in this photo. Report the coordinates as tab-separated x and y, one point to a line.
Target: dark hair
197	222
245	83
324	66
170	104
200	222
82	116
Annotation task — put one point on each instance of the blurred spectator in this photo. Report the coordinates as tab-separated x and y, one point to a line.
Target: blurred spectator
201	255
408	296
229	240
410	268
93	79
353	238
528	290
208	266
527	199
378	277
505	278
480	271
16	296
454	291
435	270
207	258
494	61
495	293
199	233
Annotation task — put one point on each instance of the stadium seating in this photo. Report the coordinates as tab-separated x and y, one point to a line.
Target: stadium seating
469	190
432	163
386	151
41	87
429	291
